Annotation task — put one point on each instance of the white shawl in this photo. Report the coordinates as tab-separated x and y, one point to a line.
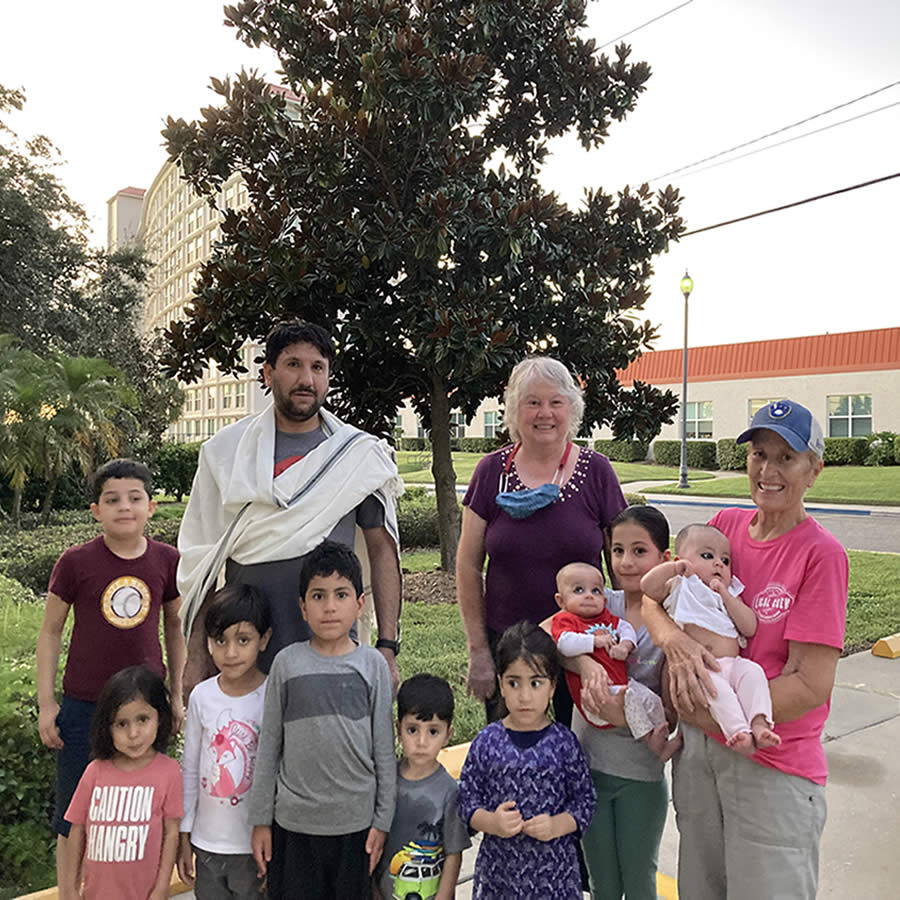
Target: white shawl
238	510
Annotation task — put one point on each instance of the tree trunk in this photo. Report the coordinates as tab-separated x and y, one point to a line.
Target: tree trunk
17	507
444	474
47	506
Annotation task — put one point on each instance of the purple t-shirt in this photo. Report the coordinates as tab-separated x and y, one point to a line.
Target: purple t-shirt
524	555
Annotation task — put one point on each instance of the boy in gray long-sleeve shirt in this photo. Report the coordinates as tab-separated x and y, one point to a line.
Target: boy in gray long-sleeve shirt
323	790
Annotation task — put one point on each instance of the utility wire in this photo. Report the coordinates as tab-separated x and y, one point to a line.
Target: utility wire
796	137
766	212
649	22
777	131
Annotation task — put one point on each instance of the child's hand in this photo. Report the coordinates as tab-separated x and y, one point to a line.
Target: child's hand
375	846
603	640
261	846
47	726
540	827
507	819
621	650
184	859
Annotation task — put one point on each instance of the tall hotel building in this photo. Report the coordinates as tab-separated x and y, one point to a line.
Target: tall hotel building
177	230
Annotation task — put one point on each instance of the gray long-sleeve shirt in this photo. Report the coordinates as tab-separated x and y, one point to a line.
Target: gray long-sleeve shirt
326	761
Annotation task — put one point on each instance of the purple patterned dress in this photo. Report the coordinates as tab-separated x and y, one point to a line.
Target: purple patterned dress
549	777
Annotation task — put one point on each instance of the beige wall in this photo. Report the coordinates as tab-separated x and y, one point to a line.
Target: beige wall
731	401
123	220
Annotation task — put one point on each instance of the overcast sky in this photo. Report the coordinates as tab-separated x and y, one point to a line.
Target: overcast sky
102	75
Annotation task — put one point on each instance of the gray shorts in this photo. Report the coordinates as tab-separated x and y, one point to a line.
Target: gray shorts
746	831
225	876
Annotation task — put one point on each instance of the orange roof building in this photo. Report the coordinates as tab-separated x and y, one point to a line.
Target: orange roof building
850	381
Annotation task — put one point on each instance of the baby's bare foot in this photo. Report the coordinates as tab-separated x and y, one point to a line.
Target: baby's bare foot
762	734
743	743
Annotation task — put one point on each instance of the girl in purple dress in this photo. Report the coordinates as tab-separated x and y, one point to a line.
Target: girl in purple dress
525	783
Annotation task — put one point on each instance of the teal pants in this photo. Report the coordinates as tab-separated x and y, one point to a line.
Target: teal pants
621	846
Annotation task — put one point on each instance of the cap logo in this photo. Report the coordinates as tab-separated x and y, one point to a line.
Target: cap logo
779	410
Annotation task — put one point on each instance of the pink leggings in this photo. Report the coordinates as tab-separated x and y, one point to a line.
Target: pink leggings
742	693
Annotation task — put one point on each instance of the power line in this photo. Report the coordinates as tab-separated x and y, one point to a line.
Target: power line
649	22
777	131
796	137
766	212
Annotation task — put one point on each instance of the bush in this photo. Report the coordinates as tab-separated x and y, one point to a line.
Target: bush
845	451
413	444
635	499
700	454
731	455
175	467
880	449
622	451
478	445
29	556
417	518
897	447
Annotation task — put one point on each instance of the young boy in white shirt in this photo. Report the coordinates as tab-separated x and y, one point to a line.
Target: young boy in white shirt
220	744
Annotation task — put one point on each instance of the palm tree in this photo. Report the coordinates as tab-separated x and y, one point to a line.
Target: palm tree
83	396
56	413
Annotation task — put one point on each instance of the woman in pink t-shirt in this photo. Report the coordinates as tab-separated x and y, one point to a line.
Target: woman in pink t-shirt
750	827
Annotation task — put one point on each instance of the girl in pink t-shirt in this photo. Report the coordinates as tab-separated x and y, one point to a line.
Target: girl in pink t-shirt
128	804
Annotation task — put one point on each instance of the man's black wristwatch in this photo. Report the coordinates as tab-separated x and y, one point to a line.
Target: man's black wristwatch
388	644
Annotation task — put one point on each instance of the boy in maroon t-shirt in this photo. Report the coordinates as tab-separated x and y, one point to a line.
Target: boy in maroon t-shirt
117	584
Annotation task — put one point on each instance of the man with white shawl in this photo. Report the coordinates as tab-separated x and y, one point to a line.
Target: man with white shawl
271	487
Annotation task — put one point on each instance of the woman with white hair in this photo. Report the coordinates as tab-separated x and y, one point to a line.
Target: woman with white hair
531	508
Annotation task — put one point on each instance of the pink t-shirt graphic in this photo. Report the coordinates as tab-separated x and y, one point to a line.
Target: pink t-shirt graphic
231	754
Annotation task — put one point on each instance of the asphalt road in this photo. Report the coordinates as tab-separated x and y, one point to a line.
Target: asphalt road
876	531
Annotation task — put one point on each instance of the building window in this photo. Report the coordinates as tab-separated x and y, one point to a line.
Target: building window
849	415
210	427
240	395
699	420
491	424
227	396
457	425
210	398
420	428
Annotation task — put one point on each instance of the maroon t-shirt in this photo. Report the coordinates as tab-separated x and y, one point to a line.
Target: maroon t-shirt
524	555
116	603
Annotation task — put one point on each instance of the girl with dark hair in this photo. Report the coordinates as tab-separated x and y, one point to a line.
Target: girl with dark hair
127	806
621	845
525	783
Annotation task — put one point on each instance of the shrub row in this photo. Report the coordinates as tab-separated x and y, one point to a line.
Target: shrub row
731	455
28	556
700	454
845	451
622	451
464	445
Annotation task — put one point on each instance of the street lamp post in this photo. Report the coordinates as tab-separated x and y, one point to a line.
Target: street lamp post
687	285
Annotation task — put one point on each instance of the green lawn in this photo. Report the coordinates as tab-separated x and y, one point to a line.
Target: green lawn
415	467
875	485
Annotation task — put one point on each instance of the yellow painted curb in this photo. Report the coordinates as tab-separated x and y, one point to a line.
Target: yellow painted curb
888	647
666	887
452	758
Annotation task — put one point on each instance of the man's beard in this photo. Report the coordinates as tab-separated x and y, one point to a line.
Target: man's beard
287	408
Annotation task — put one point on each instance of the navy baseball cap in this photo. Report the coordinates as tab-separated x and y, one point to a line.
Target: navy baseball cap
795	423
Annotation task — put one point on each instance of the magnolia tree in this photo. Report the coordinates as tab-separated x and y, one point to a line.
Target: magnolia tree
394	196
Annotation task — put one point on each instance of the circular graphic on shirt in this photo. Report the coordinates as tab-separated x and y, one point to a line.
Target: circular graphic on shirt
773	603
125	602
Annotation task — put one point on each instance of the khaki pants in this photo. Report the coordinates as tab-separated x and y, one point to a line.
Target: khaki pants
746	831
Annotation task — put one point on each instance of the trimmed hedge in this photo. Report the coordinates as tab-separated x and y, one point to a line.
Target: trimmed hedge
731	455
29	556
700	454
622	451
897	447
845	451
413	444
478	445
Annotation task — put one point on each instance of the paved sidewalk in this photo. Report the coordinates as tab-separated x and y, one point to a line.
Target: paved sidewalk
860	851
861	845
